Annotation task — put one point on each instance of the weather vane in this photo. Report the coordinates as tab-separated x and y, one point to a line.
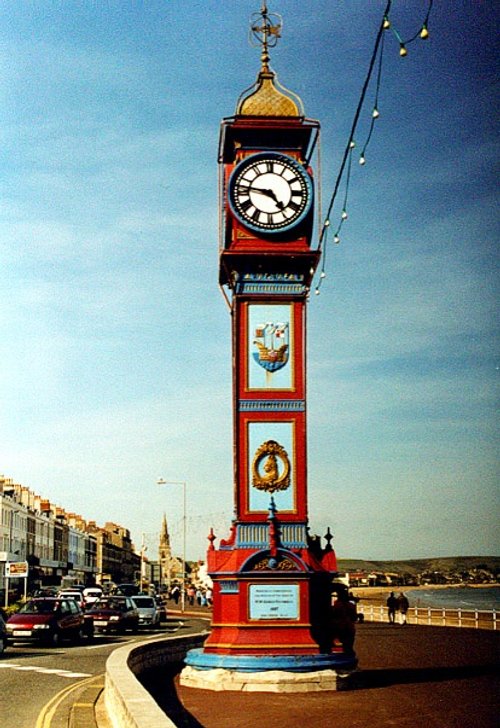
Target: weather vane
265	29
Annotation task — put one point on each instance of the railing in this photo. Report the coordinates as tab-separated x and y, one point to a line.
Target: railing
472	618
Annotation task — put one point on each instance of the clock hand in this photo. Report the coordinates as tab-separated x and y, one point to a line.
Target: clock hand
268	193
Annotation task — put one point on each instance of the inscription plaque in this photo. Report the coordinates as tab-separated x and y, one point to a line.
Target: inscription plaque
274	601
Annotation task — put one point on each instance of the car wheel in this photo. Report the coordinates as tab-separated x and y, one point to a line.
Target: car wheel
53	639
83	634
3	646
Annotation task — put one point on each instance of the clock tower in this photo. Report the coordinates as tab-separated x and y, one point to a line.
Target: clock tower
272	580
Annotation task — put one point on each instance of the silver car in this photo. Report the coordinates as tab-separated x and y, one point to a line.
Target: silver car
149	614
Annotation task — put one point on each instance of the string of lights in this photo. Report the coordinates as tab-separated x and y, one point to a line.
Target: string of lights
346	163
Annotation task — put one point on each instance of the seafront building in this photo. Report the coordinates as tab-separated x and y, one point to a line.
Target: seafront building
58	545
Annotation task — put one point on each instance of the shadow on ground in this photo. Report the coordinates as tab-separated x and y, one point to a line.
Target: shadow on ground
161	686
370	679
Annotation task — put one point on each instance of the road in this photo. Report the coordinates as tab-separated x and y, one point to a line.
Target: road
31	675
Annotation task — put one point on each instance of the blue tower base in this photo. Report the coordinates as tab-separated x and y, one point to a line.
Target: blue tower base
340	662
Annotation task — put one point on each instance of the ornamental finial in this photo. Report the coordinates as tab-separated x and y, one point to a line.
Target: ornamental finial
265	29
266	97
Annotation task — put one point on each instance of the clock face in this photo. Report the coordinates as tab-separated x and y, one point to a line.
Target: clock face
270	192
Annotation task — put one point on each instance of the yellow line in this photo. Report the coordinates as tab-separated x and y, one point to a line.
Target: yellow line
47	713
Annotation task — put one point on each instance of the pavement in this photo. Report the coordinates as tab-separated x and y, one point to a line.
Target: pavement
409	676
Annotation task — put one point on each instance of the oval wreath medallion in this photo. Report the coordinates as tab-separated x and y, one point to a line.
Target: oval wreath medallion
266	471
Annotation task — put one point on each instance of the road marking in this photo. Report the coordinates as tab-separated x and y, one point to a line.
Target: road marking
43	670
48	711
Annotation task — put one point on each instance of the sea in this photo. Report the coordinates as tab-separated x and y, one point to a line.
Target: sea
457	597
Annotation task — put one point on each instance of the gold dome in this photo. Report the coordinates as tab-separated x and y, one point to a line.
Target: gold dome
265	99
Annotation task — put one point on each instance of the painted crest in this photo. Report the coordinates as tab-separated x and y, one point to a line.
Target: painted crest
272	342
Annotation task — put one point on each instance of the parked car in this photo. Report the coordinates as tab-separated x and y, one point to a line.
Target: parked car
114	614
149	614
91	595
46	591
49	620
74	594
3	635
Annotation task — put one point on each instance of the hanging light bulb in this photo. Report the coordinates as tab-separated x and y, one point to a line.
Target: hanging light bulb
386	24
311	271
424	33
402	50
362	160
375	113
322	274
344	215
317	291
336	239
327	223
352	144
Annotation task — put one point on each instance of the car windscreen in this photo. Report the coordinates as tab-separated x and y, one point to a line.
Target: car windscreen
115	604
41	607
146	602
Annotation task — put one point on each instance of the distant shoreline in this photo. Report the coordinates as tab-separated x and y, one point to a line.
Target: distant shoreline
377	595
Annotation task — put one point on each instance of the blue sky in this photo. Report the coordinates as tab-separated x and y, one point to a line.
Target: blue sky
114	339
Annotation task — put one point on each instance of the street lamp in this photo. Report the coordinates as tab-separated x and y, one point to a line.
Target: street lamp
162	481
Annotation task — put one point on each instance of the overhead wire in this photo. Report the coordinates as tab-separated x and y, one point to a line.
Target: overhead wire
377	53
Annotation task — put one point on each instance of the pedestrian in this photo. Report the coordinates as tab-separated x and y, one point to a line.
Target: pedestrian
392	605
175	593
343	618
403	606
355	600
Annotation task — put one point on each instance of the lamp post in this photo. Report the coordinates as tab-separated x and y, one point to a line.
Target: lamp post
162	481
143	550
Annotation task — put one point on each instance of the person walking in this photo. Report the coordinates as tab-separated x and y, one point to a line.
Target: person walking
175	593
403	606
392	605
343	618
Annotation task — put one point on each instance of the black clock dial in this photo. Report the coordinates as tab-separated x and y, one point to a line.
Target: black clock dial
270	192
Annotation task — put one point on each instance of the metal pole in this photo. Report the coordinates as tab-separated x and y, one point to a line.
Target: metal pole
141	578
183	596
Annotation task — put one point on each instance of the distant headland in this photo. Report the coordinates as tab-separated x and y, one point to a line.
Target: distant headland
419	572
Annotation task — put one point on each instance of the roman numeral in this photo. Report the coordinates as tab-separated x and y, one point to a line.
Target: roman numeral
246	205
